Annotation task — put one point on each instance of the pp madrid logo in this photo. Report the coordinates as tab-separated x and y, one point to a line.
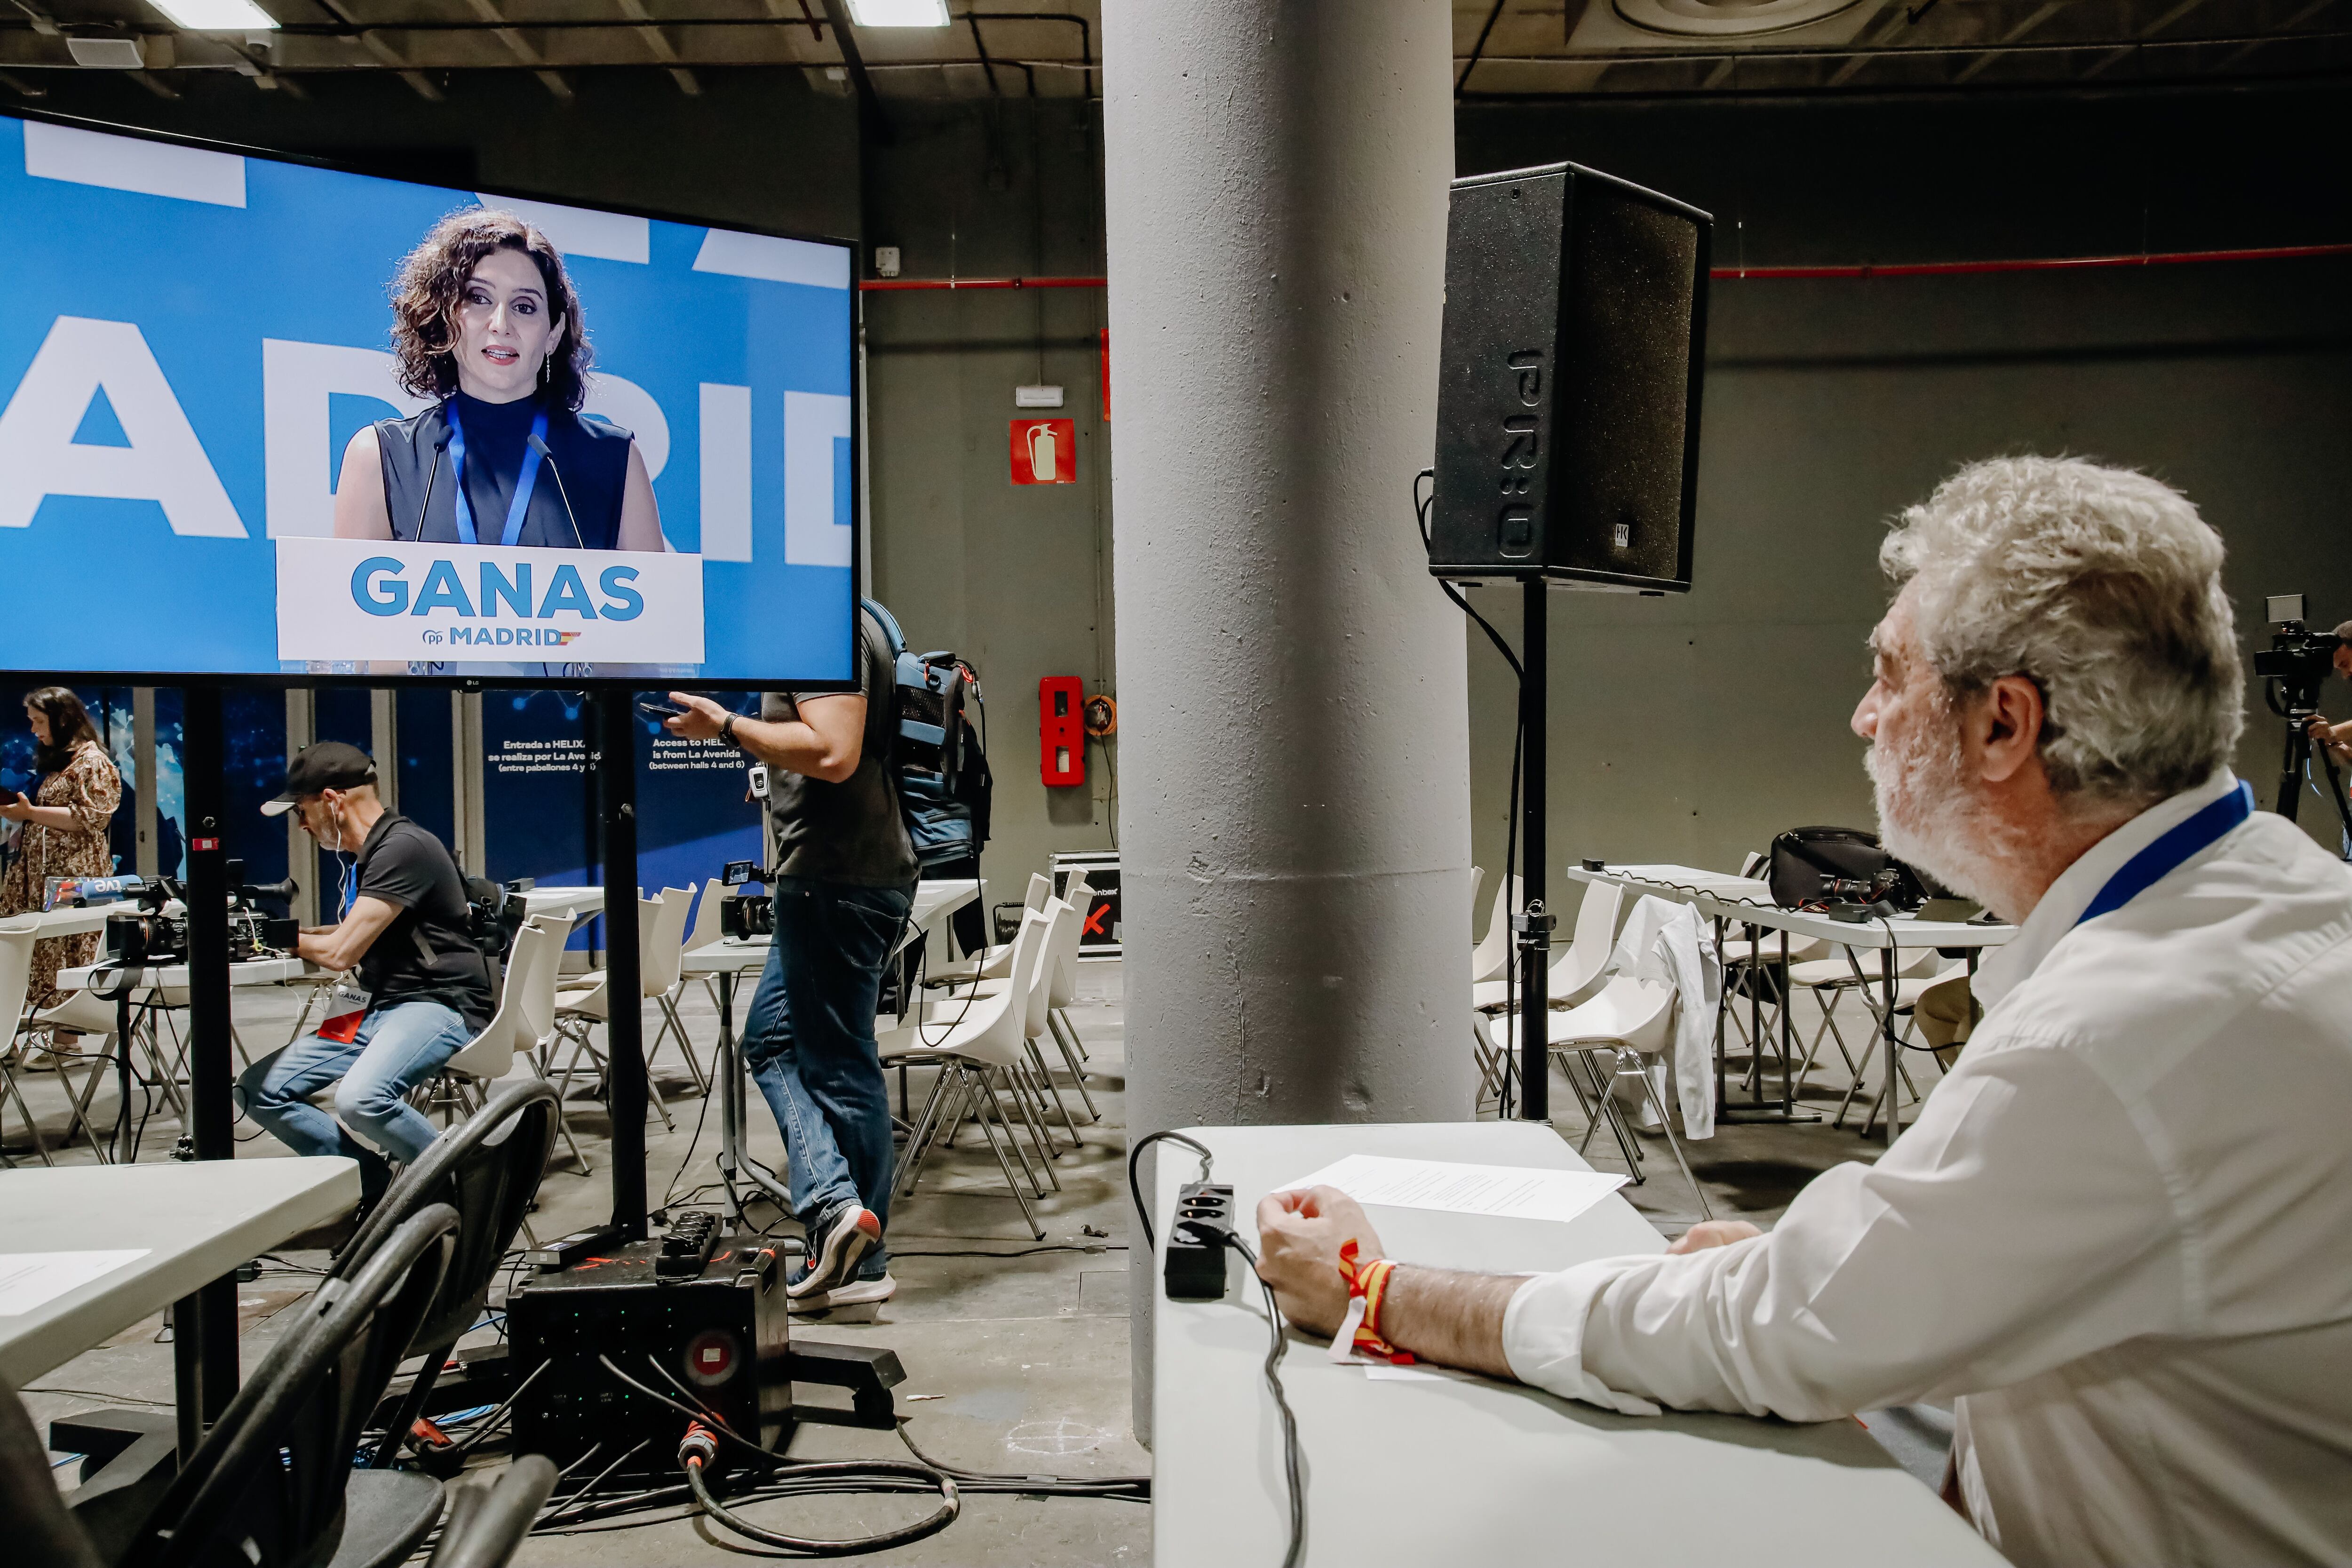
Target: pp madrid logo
503	636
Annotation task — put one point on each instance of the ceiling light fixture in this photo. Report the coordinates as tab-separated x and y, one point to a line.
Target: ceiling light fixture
898	13
217	16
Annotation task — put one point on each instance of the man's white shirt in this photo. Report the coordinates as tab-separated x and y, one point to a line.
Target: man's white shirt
2120	1234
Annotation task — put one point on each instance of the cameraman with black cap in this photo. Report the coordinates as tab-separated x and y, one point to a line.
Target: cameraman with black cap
419	990
2336	737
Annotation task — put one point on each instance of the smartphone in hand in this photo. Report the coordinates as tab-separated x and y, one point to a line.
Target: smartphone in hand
659	710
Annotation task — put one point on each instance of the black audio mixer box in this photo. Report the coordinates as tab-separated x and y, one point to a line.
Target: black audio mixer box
698	1317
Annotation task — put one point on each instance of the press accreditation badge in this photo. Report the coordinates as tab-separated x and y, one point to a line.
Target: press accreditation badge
346	1005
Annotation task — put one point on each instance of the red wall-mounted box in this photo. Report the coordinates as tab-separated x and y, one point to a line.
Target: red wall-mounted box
1061	730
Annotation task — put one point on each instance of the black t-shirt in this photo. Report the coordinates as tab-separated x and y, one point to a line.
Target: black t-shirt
852	831
425	953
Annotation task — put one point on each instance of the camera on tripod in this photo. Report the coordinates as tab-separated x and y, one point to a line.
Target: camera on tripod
2297	661
2291	669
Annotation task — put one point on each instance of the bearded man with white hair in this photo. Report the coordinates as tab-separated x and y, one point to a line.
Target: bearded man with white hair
2117	1233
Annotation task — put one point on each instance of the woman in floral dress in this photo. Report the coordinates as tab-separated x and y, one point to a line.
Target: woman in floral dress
64	828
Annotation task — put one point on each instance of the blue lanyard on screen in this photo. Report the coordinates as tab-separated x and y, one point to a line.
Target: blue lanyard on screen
524	483
2166	854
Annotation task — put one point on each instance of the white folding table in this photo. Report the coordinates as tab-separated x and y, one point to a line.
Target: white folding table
47	923
1467	1470
570	903
1725	899
189	1223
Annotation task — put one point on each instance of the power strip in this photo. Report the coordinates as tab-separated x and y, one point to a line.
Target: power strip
1198	1241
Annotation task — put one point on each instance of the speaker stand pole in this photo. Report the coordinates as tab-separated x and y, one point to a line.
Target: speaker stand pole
613	763
1531	928
203	1323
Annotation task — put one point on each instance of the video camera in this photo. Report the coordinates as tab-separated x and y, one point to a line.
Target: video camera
2296	662
252	932
154	929
151	930
495	911
744	915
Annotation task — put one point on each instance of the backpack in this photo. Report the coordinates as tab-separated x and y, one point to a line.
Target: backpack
1838	867
939	759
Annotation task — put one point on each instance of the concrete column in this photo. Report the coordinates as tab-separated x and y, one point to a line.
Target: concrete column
1294	811
143	747
302	849
383	744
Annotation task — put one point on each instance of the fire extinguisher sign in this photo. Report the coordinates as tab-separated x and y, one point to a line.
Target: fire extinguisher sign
1044	451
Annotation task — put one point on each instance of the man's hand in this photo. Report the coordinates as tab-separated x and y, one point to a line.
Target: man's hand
700	721
1299	1235
1714	1232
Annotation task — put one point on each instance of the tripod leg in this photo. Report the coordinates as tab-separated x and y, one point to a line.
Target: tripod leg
2335	795
2290	789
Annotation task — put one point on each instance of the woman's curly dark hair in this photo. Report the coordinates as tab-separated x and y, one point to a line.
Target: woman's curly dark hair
431	283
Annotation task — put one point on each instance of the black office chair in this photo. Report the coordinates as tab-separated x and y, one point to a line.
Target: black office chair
266	1487
487	1168
34	1519
488	1521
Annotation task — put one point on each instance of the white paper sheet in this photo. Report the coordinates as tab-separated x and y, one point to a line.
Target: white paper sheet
32	1279
1511	1192
1375	1371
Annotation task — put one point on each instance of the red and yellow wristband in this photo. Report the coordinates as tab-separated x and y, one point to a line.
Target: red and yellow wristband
1368	1283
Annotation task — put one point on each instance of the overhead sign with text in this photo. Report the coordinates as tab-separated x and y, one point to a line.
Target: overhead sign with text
221	441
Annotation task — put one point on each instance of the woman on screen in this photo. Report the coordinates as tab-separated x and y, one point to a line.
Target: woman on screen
486	320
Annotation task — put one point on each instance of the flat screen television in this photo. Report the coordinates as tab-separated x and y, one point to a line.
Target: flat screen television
262	419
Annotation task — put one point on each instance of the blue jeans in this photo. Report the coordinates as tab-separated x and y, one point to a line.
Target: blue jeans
809	1042
396	1048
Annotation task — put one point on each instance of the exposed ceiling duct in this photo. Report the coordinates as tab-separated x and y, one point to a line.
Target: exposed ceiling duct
1049	49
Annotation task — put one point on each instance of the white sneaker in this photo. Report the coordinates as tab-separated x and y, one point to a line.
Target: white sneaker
854	1293
848	1238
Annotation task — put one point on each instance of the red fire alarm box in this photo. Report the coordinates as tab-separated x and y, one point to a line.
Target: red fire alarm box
1062	730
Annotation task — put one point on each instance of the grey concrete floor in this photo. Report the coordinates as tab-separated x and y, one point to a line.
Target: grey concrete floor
1015	1350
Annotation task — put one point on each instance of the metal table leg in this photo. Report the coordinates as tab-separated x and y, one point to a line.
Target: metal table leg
1894	1046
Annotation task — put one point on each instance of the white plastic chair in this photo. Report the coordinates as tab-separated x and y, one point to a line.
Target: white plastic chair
1492	954
533	966
86	1013
972	1040
1579	968
15	979
1907	992
1576	976
1056	955
1633	1021
1063	977
996	963
1850	971
579	1007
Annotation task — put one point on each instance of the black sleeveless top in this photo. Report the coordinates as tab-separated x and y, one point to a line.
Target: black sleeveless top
590	457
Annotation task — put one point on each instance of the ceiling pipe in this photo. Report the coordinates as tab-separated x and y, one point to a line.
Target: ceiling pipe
1736	274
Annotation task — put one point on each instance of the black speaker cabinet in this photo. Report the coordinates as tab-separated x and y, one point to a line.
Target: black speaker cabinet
1568	401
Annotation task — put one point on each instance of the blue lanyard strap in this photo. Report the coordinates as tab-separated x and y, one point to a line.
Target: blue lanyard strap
524	482
2168	853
